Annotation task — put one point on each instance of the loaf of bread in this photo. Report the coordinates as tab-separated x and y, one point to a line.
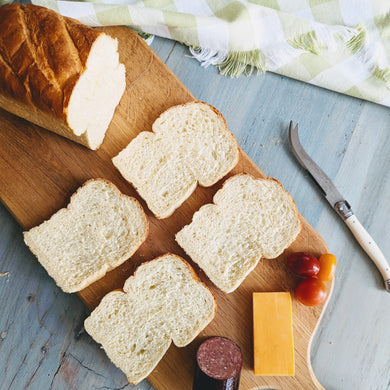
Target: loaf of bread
98	231
58	73
190	143
250	219
164	301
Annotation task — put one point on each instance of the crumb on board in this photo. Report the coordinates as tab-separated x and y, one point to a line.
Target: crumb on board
4	274
277	140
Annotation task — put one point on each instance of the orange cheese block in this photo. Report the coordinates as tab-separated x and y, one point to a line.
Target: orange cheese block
273	343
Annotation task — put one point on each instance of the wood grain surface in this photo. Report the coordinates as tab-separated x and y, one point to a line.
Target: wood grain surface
42	170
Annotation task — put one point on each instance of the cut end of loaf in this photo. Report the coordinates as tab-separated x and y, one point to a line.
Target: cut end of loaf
249	219
98	231
97	92
164	301
190	143
58	73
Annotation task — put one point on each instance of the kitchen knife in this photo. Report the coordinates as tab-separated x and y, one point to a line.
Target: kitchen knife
341	206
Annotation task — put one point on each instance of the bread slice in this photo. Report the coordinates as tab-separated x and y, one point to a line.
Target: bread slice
164	301
190	143
58	73
98	231
250	218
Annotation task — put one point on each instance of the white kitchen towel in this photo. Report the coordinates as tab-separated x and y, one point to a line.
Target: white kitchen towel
342	45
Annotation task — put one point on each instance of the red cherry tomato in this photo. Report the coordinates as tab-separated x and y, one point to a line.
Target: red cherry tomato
327	267
303	264
311	292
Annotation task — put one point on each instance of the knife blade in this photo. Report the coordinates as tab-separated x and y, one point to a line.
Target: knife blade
340	204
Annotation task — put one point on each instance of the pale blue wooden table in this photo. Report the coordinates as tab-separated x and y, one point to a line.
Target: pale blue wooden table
41	342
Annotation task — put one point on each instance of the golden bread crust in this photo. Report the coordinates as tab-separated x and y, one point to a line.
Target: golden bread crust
42	56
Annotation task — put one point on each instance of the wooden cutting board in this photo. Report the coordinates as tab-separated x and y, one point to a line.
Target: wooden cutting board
40	170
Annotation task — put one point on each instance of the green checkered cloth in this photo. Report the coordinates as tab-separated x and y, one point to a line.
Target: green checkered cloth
342	45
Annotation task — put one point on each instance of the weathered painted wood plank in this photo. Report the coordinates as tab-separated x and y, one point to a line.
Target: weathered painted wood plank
349	138
354	328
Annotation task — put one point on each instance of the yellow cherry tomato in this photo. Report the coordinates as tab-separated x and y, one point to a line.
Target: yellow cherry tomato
327	267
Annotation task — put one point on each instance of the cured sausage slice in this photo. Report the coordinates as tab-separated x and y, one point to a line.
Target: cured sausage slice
218	365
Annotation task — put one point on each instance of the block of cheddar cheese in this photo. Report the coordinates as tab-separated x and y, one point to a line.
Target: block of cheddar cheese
273	343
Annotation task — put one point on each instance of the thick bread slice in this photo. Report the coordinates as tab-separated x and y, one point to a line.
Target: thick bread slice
58	73
98	231
190	143
249	220
164	301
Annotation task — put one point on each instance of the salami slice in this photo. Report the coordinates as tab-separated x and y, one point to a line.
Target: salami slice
218	365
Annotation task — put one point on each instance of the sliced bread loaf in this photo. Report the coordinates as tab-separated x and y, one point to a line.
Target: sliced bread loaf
249	219
190	143
164	301
98	231
59	73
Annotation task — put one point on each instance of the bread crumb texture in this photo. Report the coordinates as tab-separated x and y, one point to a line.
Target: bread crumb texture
98	231
250	219
190	143
164	301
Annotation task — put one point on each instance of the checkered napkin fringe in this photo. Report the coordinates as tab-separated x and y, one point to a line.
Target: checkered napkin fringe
341	45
